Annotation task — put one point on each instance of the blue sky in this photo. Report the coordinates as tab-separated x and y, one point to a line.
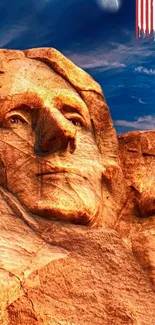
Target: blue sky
103	43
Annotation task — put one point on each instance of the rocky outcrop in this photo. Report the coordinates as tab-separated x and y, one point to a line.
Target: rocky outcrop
93	279
137	220
77	210
137	156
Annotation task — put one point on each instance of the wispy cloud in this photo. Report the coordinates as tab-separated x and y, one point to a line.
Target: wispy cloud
40	4
145	70
97	59
94	59
10	34
141	101
112	55
141	123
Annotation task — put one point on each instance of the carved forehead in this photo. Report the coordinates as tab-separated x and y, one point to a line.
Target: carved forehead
35	84
22	74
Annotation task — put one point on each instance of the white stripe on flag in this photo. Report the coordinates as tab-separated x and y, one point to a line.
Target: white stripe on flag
139	15
144	16
149	16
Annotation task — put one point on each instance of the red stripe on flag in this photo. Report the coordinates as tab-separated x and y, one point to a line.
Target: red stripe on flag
142	16
137	19
147	17
151	15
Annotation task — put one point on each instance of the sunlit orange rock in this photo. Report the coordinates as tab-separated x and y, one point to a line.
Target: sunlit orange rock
66	254
137	221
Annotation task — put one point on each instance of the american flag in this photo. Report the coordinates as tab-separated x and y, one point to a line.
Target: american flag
145	18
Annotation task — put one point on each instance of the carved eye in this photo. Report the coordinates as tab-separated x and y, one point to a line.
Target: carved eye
72	114
76	123
76	120
17	119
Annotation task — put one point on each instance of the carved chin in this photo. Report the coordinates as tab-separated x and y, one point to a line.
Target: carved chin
77	214
70	199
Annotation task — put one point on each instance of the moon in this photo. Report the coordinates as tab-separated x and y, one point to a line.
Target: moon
109	5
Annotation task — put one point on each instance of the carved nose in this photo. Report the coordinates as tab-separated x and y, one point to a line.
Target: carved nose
54	133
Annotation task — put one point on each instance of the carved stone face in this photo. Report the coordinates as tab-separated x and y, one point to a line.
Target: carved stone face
49	158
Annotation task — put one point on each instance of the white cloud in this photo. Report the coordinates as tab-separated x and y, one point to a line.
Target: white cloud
112	55
94	59
10	34
40	4
141	101
145	70
142	123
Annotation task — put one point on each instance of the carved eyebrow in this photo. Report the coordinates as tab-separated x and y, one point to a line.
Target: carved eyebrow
63	99
74	108
22	107
27	99
71	109
71	103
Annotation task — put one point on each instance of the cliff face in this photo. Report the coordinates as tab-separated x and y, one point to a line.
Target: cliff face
77	238
137	220
137	156
57	273
94	278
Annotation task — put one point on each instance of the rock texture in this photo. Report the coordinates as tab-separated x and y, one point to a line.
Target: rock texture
93	279
76	204
137	220
54	113
137	155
